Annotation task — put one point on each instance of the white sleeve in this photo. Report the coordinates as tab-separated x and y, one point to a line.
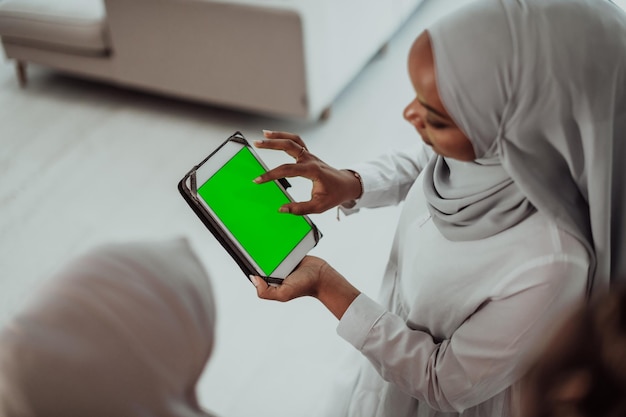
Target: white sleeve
481	358
387	179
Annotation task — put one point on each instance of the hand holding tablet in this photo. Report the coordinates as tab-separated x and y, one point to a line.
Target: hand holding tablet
331	186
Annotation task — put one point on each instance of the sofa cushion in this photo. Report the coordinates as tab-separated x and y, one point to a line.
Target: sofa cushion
75	26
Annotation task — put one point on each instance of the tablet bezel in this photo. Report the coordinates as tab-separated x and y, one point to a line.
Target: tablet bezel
208	168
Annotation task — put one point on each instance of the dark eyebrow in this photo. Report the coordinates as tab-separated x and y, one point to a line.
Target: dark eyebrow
432	110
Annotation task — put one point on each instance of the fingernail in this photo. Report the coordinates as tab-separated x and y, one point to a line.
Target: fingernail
267	132
258	142
254	280
257	180
283	210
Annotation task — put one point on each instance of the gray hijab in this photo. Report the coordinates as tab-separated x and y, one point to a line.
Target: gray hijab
539	88
124	330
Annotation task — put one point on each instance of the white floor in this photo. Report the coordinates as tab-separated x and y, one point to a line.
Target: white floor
83	163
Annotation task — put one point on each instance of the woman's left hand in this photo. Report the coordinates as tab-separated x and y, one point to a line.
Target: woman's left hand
303	281
314	277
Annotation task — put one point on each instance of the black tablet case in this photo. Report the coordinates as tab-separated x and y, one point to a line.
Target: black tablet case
189	194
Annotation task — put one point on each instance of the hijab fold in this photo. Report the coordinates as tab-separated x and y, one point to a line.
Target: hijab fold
473	200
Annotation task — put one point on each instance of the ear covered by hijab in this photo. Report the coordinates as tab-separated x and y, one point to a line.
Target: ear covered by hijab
125	330
541	85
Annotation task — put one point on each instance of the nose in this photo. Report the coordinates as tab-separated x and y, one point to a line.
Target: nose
414	114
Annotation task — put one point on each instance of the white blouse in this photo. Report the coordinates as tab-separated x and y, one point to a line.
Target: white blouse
455	319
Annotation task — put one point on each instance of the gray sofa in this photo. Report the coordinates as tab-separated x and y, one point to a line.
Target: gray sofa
287	58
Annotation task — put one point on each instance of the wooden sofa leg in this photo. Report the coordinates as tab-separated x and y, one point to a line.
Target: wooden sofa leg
382	51
325	114
20	69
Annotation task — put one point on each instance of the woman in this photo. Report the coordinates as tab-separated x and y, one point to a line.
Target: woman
513	208
125	330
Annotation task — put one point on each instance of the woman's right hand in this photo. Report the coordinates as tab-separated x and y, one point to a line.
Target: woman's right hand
331	186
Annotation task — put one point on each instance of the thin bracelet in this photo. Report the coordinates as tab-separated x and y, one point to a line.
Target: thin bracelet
358	177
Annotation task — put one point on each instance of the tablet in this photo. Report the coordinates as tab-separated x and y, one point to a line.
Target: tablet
244	216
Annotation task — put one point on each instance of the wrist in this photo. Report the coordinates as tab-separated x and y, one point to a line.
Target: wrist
335	292
355	184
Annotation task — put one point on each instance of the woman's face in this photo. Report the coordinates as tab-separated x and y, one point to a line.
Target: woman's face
426	112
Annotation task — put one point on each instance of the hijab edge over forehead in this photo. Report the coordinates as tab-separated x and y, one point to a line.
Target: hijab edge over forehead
471	200
462	42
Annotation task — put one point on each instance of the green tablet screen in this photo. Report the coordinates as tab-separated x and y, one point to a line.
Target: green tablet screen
250	211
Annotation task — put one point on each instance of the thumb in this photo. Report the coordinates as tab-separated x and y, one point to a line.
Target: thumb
306	207
262	287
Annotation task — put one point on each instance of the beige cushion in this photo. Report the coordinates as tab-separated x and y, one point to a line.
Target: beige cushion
76	26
